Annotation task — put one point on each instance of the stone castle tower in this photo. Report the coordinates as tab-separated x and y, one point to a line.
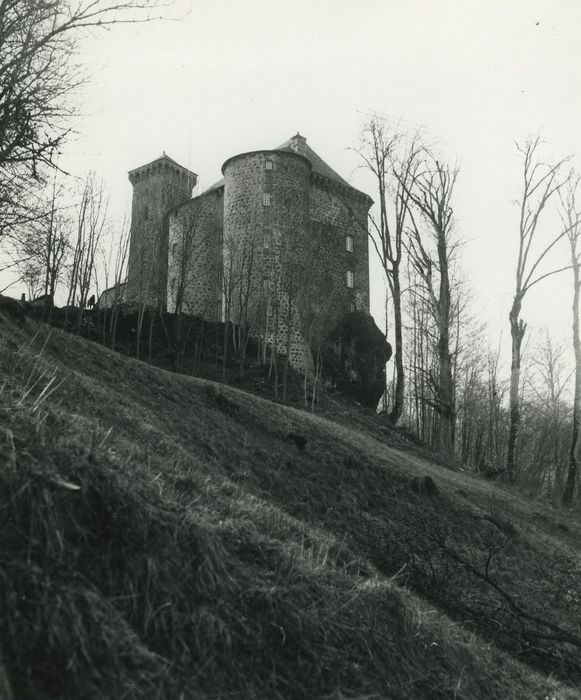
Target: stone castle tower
158	187
279	245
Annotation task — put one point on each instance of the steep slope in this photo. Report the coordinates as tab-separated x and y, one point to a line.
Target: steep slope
162	535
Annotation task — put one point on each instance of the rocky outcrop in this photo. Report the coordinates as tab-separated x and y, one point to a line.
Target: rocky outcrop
354	358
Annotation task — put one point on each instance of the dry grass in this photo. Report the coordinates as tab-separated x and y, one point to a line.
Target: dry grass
162	537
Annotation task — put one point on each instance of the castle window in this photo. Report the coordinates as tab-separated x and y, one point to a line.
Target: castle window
349	243
267	237
350	279
266	199
146	212
268	165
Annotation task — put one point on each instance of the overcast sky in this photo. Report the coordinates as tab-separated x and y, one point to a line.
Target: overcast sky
233	76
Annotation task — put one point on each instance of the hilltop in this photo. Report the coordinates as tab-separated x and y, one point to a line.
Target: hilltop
164	536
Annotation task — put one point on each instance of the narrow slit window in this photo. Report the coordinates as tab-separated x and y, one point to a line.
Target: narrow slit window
349	243
266	199
350	279
268	165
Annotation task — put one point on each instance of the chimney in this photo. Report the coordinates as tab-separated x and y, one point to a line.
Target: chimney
298	144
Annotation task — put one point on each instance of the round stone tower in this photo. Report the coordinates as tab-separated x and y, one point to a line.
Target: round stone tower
266	226
158	187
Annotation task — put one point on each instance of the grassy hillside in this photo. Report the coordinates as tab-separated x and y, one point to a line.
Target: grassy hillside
164	537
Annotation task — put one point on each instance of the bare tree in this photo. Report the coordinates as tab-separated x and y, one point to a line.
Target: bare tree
571	218
295	267
31	273
23	206
271	304
418	354
57	235
468	367
115	271
319	312
227	279
39	75
541	181
246	293
394	176
192	257
42	246
92	221
146	265
495	393
431	250
546	418
240	291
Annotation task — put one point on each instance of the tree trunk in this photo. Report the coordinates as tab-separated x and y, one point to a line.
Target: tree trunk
140	317
398	401
446	398
517	331
287	348
576	439
150	336
446	388
574	454
225	351
113	323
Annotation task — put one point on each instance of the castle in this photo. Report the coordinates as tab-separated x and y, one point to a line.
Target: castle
278	246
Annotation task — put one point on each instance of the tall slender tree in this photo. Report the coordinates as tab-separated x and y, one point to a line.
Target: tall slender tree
188	243
43	244
92	222
381	152
541	182
115	271
432	248
571	218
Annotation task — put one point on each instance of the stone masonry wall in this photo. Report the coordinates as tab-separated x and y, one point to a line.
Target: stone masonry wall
195	256
336	213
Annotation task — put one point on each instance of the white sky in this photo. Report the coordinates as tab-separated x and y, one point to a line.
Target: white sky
232	76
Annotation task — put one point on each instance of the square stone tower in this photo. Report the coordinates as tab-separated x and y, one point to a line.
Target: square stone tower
158	187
